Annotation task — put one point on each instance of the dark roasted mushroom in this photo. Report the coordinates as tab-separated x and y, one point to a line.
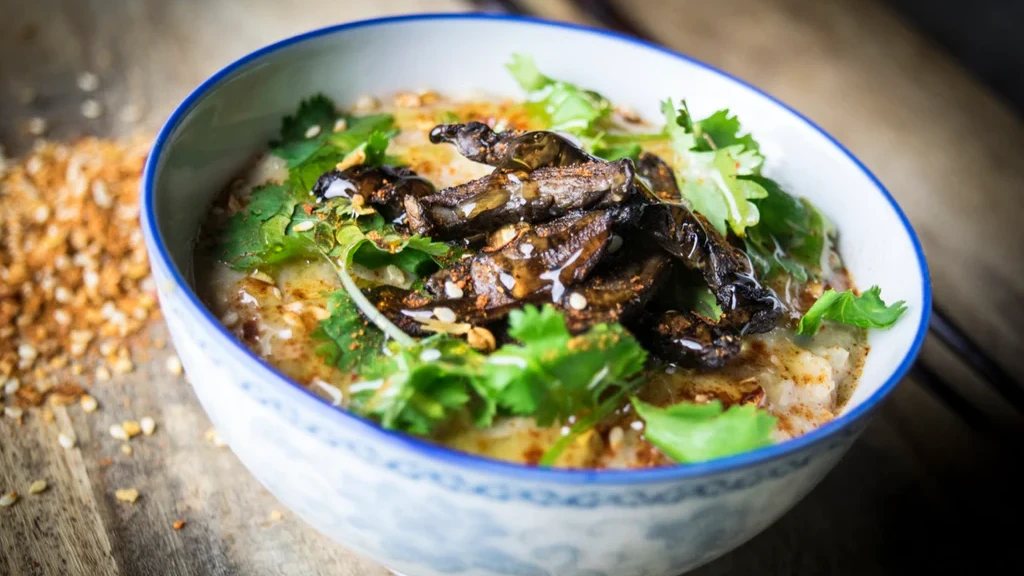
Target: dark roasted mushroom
616	295
512	150
383	187
689	339
502	198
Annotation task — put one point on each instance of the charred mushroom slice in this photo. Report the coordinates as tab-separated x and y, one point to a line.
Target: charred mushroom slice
384	187
536	267
617	295
689	339
659	176
727	271
504	198
476	141
511	150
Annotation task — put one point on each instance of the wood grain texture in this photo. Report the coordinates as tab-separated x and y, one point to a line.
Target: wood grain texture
894	505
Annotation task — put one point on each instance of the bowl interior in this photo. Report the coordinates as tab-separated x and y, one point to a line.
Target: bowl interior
233	115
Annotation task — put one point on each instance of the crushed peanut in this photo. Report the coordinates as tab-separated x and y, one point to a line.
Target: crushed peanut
131	428
89	404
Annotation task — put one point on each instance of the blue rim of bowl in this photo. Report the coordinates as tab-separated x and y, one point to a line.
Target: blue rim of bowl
481	464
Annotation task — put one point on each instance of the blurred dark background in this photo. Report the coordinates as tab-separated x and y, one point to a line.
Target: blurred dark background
983	35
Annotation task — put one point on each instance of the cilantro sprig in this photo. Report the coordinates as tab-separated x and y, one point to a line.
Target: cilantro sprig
688	432
866	311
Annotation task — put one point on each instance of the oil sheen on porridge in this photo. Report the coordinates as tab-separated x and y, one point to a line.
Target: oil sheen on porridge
803	381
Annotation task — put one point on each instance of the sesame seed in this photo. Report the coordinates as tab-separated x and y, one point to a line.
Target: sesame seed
36	126
92	109
148	425
89	404
8	499
275	516
66	441
126	494
88	82
615	244
62	317
11	386
123	365
637	425
27	352
615	437
118	432
173	365
313	131
577	301
101	194
304	226
430	355
670	370
340	124
445	314
37	487
214	437
452	290
126	449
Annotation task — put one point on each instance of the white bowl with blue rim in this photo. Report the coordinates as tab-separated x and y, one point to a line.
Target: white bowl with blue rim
425	510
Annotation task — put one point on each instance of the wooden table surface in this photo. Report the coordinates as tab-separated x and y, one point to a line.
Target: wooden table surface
920	489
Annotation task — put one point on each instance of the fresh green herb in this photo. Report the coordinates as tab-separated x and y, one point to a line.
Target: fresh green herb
419	387
587	422
696	432
866	311
349	342
318	110
258	235
613	152
378	248
552	375
565	106
721	130
447	117
793	236
710	180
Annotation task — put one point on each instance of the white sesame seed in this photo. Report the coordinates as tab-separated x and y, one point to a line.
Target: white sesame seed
452	290
148	425
11	386
230	319
670	370
36	126
637	425
276	516
445	314
526	248
340	124
430	354
37	487
126	449
118	432
285	334
27	352
89	404
92	109
88	82
123	365
102	373
313	131
8	499
91	279
614	244
66	441
173	365
62	317
101	194
303	226
62	295
13	412
615	437
577	301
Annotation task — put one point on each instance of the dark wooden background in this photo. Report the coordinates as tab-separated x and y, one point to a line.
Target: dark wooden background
925	487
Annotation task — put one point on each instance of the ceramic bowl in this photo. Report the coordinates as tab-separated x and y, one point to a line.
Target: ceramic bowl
424	510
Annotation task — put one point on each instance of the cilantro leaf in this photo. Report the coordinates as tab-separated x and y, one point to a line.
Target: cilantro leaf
318	110
613	152
709	180
723	130
696	432
258	234
552	374
565	106
793	236
378	248
419	387
349	341
866	311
